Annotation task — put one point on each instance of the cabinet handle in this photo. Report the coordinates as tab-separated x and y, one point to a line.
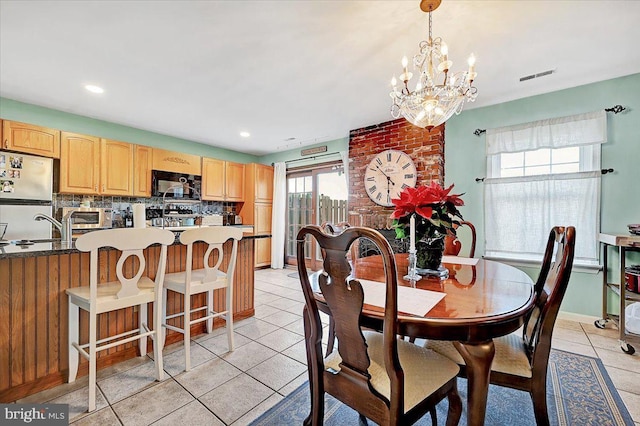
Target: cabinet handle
103	187
95	188
6	143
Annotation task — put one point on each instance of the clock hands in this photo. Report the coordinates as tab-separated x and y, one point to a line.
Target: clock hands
385	175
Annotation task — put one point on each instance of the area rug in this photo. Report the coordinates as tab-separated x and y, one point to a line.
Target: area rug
579	392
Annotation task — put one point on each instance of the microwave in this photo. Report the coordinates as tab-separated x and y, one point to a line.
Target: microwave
89	217
168	182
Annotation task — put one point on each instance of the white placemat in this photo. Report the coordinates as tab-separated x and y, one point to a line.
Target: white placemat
460	260
410	300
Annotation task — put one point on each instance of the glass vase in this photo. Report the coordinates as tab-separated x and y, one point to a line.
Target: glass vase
429	252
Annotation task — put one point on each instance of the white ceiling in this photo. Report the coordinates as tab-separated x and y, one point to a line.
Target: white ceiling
310	70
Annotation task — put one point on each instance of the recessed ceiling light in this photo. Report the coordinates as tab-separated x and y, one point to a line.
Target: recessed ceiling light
245	134
94	89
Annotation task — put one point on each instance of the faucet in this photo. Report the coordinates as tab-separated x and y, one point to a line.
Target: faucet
64	228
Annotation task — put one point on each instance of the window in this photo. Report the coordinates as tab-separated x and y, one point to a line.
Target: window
540	175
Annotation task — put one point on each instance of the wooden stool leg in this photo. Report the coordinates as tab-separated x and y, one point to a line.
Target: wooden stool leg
159	310
229	316
93	329
142	319
187	332
163	331
74	331
209	310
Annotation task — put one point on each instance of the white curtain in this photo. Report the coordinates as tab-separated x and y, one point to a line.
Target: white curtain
575	130
279	215
520	211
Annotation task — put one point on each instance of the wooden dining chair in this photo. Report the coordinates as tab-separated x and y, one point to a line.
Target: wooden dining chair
332	229
138	290
521	360
203	280
453	245
382	377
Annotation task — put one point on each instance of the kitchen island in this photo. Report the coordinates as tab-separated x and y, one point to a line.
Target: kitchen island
34	308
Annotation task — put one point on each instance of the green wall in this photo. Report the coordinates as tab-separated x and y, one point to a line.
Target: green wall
465	160
33	114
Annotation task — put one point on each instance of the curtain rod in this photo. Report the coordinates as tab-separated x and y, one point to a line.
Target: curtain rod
616	109
313	157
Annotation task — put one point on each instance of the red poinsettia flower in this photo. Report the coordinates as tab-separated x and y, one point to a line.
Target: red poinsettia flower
435	205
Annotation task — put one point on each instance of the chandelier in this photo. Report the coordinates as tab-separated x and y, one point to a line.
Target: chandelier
438	92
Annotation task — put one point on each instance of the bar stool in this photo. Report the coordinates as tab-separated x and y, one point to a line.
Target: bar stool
125	292
205	280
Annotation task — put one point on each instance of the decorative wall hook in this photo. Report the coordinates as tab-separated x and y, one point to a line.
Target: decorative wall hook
615	109
478	132
605	171
479	179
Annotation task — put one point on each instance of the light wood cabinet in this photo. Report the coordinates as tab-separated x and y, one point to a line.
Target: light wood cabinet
263	252
142	166
116	165
30	139
177	162
212	179
262	219
257	208
234	181
222	180
79	164
259	183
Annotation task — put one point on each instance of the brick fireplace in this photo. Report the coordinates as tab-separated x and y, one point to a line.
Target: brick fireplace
426	148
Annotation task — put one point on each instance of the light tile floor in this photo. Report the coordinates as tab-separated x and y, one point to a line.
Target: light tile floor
234	388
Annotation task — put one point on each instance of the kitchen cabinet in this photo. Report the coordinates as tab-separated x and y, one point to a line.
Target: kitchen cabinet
222	180
93	166
257	208
263	252
177	162
116	165
142	165
79	164
30	139
259	183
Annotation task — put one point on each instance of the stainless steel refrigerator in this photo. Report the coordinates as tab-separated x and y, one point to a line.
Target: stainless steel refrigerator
26	188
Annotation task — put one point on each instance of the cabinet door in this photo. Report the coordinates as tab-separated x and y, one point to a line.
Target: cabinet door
142	164
264	184
116	161
262	224
263	252
79	164
31	139
212	179
234	181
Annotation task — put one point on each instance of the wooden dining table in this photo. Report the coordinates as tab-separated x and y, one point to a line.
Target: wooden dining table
481	302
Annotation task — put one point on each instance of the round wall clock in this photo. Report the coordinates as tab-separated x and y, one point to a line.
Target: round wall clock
387	175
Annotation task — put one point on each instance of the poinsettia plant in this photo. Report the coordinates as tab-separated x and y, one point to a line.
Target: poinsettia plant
436	210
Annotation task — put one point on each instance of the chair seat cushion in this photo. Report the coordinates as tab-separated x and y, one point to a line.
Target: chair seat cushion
175	281
425	371
107	295
510	358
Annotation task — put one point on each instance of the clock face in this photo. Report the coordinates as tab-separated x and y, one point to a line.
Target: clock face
387	175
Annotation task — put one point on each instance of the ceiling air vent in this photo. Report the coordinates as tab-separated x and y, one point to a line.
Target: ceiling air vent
538	75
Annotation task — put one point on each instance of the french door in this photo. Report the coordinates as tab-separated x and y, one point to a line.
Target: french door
314	196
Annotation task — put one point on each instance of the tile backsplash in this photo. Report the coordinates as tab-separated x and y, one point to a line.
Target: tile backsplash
121	204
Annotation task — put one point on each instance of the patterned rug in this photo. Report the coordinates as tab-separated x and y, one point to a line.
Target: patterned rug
579	392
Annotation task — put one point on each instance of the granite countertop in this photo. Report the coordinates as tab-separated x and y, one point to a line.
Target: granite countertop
56	246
